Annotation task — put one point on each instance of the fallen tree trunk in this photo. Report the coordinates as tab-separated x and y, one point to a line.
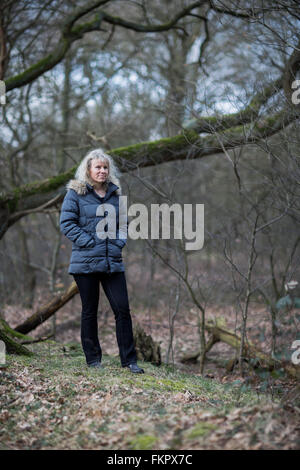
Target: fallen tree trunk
12	346
46	311
219	332
38	340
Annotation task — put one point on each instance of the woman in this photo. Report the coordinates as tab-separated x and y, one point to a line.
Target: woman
97	256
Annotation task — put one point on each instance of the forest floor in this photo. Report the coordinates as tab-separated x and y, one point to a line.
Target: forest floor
53	401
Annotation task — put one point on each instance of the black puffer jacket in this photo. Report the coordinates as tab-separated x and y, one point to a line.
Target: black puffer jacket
78	221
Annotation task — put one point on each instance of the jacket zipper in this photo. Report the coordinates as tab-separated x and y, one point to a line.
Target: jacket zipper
106	240
108	265
107	261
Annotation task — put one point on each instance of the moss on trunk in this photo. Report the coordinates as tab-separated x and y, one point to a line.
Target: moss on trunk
12	346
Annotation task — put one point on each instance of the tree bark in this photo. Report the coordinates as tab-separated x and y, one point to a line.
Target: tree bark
47	310
12	346
147	349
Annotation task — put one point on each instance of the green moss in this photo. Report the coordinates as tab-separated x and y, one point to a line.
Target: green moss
49	184
13	333
143	442
139	409
244	116
12	346
40	67
35	187
155	382
200	429
162	149
131	152
12	205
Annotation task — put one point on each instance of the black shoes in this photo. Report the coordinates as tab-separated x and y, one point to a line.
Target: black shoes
135	368
96	365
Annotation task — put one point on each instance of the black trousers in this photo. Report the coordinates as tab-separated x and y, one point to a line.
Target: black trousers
115	288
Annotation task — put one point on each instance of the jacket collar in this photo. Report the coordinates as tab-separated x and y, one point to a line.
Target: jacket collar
111	188
81	187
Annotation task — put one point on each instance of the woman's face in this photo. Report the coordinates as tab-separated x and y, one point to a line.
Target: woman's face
99	170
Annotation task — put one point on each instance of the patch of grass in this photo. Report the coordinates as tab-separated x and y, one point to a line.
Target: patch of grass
143	442
200	429
52	362
53	400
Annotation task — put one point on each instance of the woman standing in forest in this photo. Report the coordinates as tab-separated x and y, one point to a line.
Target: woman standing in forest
96	257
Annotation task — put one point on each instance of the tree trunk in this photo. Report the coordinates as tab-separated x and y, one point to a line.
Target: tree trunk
12	346
47	310
29	273
147	349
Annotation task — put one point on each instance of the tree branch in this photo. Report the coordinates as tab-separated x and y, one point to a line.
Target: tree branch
188	145
250	113
71	33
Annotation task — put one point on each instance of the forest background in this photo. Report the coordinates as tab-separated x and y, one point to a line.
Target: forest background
197	102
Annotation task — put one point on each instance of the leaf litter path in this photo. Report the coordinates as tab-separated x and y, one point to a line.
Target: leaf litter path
53	401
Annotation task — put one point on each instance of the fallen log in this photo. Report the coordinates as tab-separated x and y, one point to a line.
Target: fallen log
219	332
192	357
38	340
12	346
47	310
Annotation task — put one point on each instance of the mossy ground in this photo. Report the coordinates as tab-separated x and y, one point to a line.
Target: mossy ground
53	401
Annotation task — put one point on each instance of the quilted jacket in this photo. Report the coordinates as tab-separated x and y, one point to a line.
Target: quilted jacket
79	220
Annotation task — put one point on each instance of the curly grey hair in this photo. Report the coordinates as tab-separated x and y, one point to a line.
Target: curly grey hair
83	175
